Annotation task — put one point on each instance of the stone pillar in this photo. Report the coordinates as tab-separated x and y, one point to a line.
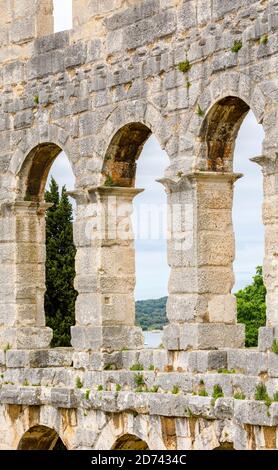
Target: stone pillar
270	266
105	271
201	309
22	276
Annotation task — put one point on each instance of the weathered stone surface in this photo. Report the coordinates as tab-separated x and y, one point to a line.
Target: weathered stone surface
98	92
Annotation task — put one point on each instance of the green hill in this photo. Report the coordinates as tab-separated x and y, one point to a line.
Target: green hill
151	314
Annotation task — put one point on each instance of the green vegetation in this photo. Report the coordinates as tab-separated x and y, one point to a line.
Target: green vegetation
151	314
25	383
175	390
264	39
275	396
199	111
139	380
154	389
60	271
109	182
226	371
110	367
7	347
239	396
118	387
78	382
251	308
100	388
236	46
137	366
203	393
261	393
151	367
36	99
184	67
217	392
274	347
87	395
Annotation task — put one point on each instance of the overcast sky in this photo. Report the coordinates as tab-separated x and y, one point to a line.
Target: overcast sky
151	262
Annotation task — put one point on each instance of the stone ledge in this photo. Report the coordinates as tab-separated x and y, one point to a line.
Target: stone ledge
196	336
41	358
25	337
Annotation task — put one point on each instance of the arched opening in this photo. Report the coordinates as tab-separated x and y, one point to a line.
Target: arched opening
41	438
62	15
130	442
219	132
230	137
225	446
135	158
45	177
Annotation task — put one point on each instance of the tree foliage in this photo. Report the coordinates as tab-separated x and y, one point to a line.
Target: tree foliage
60	271
251	308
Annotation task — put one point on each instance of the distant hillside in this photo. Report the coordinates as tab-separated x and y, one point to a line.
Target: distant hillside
151	314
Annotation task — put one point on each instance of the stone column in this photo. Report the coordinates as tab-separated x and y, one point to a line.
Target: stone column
201	309
269	166
22	276
105	271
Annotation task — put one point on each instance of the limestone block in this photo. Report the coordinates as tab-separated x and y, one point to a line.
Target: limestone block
168	405
266	337
107	338
25	337
160	359
63	398
2	358
203	361
57	357
247	362
200	406
130	401
272	364
224	408
222	308
167	381
17	358
252	412
245	384
203	336
225	381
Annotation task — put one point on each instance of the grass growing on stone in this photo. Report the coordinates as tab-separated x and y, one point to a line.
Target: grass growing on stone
184	67
100	388
226	371
239	396
199	111
25	383
262	395
175	390
236	46
217	392
109	182
137	366
151	367
36	99
87	395
78	382
139	380
118	387
154	389
274	347
264	39
7	347
203	393
110	367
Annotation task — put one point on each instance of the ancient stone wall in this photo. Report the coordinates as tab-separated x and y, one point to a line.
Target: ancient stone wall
186	71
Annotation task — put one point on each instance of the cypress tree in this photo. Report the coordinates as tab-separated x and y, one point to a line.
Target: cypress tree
60	270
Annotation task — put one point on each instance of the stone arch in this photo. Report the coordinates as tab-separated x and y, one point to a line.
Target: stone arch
227	99
123	152
41	438
142	427
130	442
